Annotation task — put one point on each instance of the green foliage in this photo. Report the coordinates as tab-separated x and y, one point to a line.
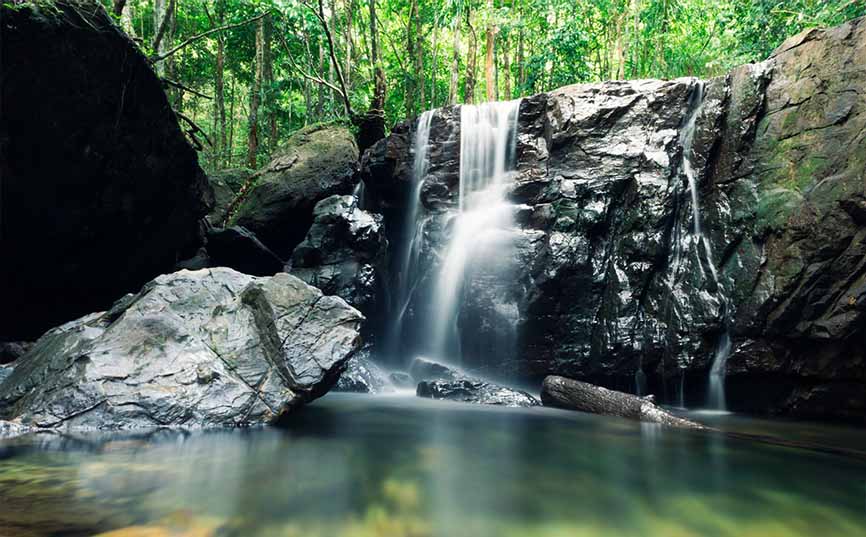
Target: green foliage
539	45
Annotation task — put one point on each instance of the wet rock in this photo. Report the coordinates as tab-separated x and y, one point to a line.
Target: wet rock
9	429
277	202
576	395
401	379
475	391
362	375
12	350
5	371
423	369
604	277
226	185
344	254
206	348
101	190
236	247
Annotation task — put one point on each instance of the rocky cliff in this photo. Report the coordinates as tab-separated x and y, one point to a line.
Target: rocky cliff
614	277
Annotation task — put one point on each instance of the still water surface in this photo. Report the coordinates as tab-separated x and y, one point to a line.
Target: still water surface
358	466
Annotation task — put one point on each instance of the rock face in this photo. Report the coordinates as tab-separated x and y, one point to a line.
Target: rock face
575	395
609	277
12	350
100	192
344	254
278	201
204	348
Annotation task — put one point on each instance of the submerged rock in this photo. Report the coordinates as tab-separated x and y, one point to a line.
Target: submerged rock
475	391
101	190
576	395
277	202
344	254
205	348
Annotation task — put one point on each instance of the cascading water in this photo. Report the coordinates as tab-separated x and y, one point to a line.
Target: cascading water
413	229
487	143
716	384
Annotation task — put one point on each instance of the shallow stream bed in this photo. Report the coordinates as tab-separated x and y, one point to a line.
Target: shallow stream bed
357	466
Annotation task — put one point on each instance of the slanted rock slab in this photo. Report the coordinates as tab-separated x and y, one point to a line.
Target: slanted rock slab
212	347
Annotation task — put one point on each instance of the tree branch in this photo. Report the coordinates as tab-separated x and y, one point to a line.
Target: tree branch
159	57
301	71
185	88
194	129
320	14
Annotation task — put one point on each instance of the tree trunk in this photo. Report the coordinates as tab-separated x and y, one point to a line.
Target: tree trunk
231	141
159	14
268	80
506	69
219	102
489	63
412	31
371	127
255	97
126	14
471	59
435	65
455	62
320	104
576	395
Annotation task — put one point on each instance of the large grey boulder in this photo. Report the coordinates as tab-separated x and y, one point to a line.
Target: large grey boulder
277	202
204	348
344	254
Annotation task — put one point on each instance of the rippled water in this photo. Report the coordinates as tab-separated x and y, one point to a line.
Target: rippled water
399	466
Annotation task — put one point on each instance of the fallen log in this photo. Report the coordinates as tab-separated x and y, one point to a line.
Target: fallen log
571	394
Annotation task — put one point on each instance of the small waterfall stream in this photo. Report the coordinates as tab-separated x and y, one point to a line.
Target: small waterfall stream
487	140
716	382
482	213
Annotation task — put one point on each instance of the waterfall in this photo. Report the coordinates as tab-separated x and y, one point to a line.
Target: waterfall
716	396
408	250
487	144
716	384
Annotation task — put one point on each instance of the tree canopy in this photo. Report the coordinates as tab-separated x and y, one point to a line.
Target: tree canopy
244	74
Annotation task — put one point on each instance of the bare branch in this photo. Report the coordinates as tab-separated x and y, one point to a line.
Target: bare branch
185	88
197	37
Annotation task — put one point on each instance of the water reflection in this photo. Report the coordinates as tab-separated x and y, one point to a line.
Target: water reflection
397	466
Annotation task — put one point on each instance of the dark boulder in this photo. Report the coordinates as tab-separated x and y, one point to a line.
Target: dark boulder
576	395
227	185
344	254
100	191
206	348
277	202
237	248
475	391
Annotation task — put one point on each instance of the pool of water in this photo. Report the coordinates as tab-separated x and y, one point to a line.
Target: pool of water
357	466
